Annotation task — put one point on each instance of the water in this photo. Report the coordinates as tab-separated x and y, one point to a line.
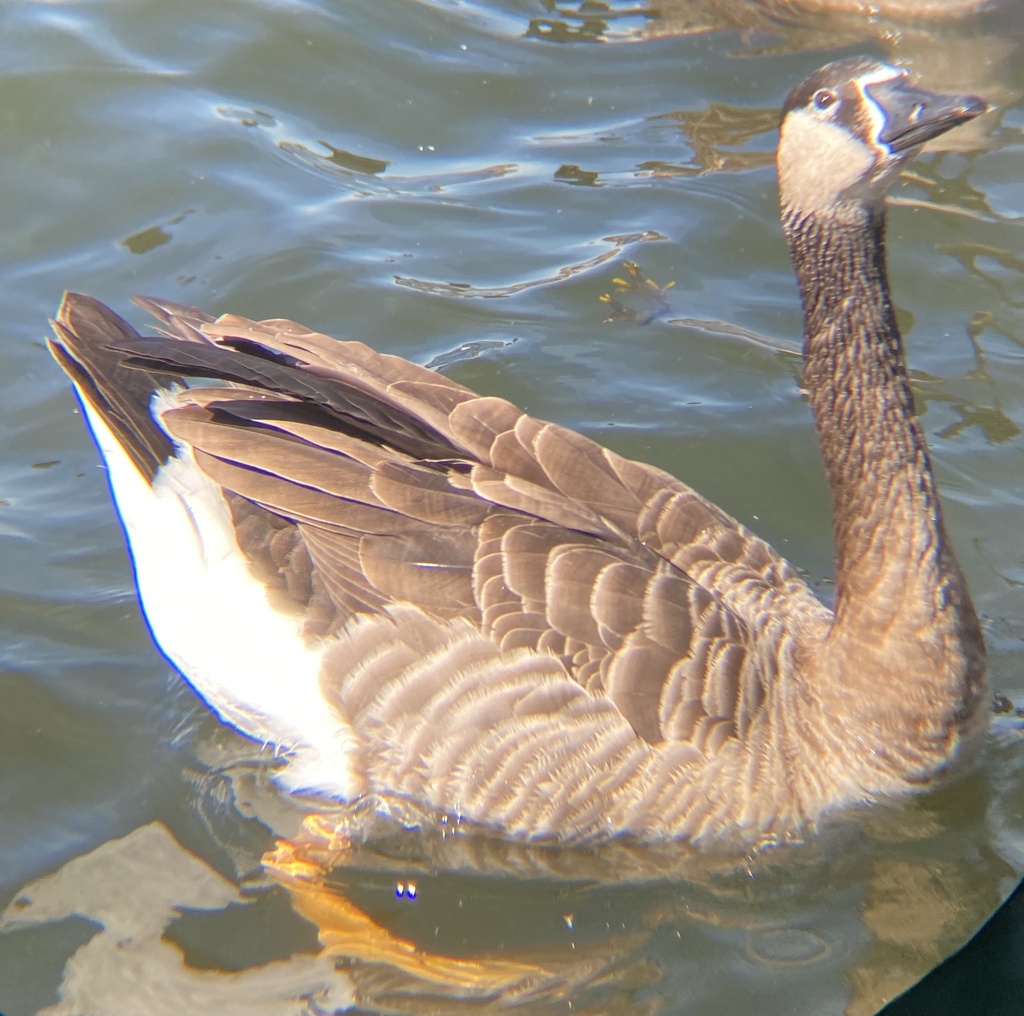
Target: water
461	183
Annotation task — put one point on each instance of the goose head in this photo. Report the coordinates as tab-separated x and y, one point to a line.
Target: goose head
847	130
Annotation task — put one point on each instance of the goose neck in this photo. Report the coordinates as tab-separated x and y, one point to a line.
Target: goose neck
902	605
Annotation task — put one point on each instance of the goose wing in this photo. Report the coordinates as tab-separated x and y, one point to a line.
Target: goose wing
471	566
409	488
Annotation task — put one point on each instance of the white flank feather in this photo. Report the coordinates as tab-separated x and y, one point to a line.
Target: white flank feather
213	619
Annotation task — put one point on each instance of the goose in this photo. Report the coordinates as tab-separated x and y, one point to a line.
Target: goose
428	600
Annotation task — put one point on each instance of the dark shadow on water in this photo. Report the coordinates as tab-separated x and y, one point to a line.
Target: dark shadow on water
986	976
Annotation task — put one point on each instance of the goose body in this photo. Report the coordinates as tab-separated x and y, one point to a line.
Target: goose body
428	599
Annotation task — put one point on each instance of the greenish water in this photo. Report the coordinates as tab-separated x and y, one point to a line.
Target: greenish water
461	183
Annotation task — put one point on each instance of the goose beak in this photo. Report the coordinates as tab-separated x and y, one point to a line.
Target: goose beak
912	116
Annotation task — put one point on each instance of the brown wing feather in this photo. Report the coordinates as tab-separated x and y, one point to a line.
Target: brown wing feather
121	395
640	588
532	601
519	625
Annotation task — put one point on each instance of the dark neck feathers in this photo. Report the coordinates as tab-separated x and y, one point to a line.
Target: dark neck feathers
899	590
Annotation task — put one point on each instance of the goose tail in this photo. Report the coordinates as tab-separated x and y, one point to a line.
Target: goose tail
91	344
212	617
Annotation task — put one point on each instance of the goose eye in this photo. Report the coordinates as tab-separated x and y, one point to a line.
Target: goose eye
824	97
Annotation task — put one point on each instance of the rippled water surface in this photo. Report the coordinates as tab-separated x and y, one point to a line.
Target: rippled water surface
463	184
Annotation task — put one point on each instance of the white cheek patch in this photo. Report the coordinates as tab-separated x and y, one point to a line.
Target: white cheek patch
874	110
819	162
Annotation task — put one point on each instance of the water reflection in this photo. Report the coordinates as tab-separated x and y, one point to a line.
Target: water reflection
840	924
637	299
588	21
853	921
953	45
401	921
133	889
467	289
411	923
956	987
717	137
